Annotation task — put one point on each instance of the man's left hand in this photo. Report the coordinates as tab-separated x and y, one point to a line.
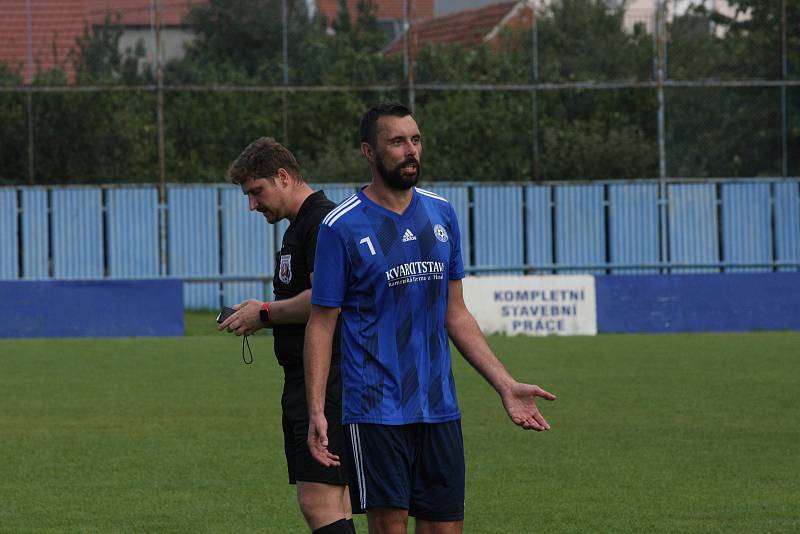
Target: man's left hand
520	404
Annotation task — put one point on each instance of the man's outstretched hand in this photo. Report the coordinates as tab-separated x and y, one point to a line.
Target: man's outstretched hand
520	404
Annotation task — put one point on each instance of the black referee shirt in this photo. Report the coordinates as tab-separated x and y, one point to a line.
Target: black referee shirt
294	263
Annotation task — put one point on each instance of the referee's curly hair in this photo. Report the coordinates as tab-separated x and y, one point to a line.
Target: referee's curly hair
261	159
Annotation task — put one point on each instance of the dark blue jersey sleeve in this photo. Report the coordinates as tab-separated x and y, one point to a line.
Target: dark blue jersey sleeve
331	269
456	268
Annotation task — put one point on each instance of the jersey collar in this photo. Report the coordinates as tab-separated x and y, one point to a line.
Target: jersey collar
409	211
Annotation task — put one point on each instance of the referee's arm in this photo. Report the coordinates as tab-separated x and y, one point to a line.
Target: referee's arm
247	319
294	310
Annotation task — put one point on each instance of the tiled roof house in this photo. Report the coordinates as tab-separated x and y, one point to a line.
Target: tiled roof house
384	9
54	26
390	13
139	12
468	28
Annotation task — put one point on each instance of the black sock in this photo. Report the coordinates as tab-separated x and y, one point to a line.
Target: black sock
342	526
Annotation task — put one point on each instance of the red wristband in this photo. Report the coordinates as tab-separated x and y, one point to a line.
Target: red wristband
266	315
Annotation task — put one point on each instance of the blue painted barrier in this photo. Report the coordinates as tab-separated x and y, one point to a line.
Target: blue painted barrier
91	308
730	302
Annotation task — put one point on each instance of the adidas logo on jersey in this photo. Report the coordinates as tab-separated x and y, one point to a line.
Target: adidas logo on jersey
408	236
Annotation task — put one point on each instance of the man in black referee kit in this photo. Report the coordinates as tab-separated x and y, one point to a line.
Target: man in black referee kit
269	175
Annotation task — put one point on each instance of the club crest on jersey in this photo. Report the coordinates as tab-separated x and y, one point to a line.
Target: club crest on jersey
285	270
408	236
440	232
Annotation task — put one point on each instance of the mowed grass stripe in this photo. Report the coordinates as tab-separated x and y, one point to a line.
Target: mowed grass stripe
651	433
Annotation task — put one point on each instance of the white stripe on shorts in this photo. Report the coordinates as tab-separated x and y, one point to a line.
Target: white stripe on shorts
355	439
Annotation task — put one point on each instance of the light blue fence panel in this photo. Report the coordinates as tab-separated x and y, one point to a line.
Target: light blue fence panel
633	226
539	225
458	196
580	226
335	192
247	248
9	244
497	225
787	223
693	233
746	225
77	233
194	242
133	242
35	233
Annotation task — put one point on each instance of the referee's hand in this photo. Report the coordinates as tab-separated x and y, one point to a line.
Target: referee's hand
318	441
247	319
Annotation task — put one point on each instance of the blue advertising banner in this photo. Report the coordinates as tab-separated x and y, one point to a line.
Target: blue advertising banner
730	302
91	308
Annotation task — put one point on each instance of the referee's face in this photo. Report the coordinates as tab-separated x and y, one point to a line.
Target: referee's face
266	196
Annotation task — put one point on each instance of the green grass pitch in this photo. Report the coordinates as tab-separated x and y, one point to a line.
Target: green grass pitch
651	433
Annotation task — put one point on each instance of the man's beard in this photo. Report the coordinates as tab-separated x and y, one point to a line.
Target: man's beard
394	178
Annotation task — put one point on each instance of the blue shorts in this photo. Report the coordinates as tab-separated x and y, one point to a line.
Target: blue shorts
417	467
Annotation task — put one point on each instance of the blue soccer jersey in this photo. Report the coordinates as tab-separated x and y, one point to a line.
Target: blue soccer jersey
389	273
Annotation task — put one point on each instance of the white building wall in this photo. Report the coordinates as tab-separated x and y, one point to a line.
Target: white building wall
173	42
637	11
643	11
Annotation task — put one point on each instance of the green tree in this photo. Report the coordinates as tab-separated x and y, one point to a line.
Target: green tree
240	43
586	133
733	131
582	134
96	136
97	58
13	130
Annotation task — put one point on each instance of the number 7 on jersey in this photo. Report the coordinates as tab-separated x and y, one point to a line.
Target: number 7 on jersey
369	244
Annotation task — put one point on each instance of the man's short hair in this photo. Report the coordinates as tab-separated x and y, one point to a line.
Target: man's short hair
261	159
369	129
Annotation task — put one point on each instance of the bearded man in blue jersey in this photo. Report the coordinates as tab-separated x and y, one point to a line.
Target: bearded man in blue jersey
389	258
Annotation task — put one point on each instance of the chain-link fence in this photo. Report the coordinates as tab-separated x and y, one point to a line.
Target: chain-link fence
583	89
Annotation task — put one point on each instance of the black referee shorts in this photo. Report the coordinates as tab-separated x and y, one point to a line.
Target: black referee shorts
302	466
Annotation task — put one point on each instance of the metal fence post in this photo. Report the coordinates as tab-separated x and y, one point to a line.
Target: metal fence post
285	57
162	172
534	92
660	72
784	111
29	96
409	50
